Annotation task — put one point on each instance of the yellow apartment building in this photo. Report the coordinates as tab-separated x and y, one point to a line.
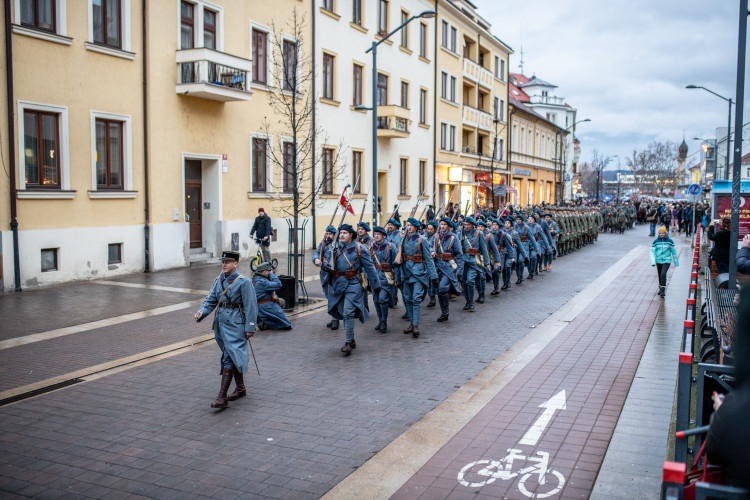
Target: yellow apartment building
141	147
534	147
471	107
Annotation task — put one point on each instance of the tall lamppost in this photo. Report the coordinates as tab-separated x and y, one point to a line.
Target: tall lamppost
559	157
374	108
729	123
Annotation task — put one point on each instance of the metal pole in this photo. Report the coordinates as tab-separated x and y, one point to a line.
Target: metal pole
374	134
739	102
729	134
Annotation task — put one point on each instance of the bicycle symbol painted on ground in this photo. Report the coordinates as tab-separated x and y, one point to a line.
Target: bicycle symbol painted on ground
537	480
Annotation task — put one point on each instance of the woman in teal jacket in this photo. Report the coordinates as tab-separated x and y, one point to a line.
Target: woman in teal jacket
662	252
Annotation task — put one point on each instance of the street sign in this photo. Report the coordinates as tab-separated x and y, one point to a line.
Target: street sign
694	189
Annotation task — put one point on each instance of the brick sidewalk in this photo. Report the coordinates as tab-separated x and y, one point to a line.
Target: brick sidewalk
593	360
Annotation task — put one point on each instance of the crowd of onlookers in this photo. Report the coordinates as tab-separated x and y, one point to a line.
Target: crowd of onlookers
677	217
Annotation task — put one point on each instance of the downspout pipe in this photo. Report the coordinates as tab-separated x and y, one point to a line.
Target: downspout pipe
146	208
12	146
435	123
312	133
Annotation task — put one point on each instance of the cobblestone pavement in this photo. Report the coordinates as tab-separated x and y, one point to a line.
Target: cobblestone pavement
310	419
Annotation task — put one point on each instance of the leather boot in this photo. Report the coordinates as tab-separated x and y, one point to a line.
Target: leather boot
431	303
519	281
335	324
347	349
353	343
410	329
405	316
415	332
471	306
383	327
481	298
239	389
328	325
221	399
443	317
494	292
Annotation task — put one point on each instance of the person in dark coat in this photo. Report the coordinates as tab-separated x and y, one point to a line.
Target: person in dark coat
687	219
728	434
720	237
743	256
262	230
270	314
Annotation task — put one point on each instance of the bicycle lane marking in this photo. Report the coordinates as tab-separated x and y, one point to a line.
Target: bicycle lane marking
594	360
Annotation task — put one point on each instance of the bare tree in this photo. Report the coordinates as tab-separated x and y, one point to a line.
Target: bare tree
654	167
640	166
292	105
588	178
599	162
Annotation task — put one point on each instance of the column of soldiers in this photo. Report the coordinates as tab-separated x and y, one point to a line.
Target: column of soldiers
443	259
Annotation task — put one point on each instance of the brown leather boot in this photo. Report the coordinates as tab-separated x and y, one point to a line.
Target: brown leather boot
221	399
239	389
410	329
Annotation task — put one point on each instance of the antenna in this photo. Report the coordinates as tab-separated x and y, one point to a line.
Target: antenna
520	63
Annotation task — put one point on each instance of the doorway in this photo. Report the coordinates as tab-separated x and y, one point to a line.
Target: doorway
193	202
385	209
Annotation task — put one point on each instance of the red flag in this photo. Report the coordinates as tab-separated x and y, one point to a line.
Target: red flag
345	200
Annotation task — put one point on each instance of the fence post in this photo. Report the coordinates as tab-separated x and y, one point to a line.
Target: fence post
684	376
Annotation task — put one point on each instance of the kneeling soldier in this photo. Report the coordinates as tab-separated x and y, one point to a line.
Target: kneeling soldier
234	324
270	314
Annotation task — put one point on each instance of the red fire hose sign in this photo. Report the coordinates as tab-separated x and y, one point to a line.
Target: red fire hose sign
724	208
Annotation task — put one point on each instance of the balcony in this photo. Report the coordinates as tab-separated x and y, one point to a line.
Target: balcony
471	70
485	120
547	99
486	78
393	122
210	74
470	116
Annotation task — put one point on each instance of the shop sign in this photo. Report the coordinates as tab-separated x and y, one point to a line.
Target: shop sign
724	209
455	174
521	171
485	177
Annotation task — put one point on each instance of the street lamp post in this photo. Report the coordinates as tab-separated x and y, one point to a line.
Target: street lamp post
559	158
729	123
374	49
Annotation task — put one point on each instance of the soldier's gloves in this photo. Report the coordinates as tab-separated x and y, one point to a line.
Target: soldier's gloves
376	292
327	267
435	283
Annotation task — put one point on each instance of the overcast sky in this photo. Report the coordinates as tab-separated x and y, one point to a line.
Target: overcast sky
625	63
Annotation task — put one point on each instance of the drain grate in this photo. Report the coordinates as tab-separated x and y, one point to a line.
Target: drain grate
37	392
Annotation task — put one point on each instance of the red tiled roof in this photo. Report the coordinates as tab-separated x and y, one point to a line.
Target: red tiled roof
515	91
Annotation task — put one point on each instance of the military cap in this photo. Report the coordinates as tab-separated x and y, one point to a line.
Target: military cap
433	224
482	222
545	215
394	222
230	256
379	229
330	229
413	222
518	216
364	226
347	227
470	221
446	220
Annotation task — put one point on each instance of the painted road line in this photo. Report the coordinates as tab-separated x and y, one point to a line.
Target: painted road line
117	365
387	471
102	323
152	287
556	402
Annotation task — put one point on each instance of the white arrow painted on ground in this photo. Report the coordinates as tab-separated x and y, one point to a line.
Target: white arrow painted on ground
556	402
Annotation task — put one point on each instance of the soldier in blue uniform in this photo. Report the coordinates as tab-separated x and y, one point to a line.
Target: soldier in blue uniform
520	255
345	293
447	253
233	297
417	271
394	236
383	255
530	248
363	229
541	240
476	259
321	255
494	262
554	230
505	246
270	314
430	233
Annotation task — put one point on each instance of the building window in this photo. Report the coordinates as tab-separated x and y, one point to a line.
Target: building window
209	29
443	136
443	85
357	84
328	5
109	154
404	173
422	175
444	34
40	14
357	12
357	169
404	95
498	152
454	34
107	23
41	147
382	90
327	171
289	62
453	89
328	62
114	253
422	106
49	259
382	17
404	30
423	40
260	165
289	167
187	26
260	56
453	138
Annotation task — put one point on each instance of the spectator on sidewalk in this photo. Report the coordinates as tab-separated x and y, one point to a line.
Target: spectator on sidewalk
662	252
270	314
675	226
651	219
262	231
743	256
729	434
687	219
234	324
720	251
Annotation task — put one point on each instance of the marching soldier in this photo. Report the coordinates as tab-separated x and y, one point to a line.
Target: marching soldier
494	262
508	257
520	254
417	271
530	248
345	293
321	255
474	247
554	231
233	297
383	255
429	234
394	236
363	236
449	262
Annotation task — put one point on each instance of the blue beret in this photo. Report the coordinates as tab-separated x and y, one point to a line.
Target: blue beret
447	220
433	224
413	221
518	216
330	229
470	221
347	227
453	225
495	221
379	229
545	215
364	225
481	222
394	222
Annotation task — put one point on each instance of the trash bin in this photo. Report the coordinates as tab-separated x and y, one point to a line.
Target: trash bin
286	292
